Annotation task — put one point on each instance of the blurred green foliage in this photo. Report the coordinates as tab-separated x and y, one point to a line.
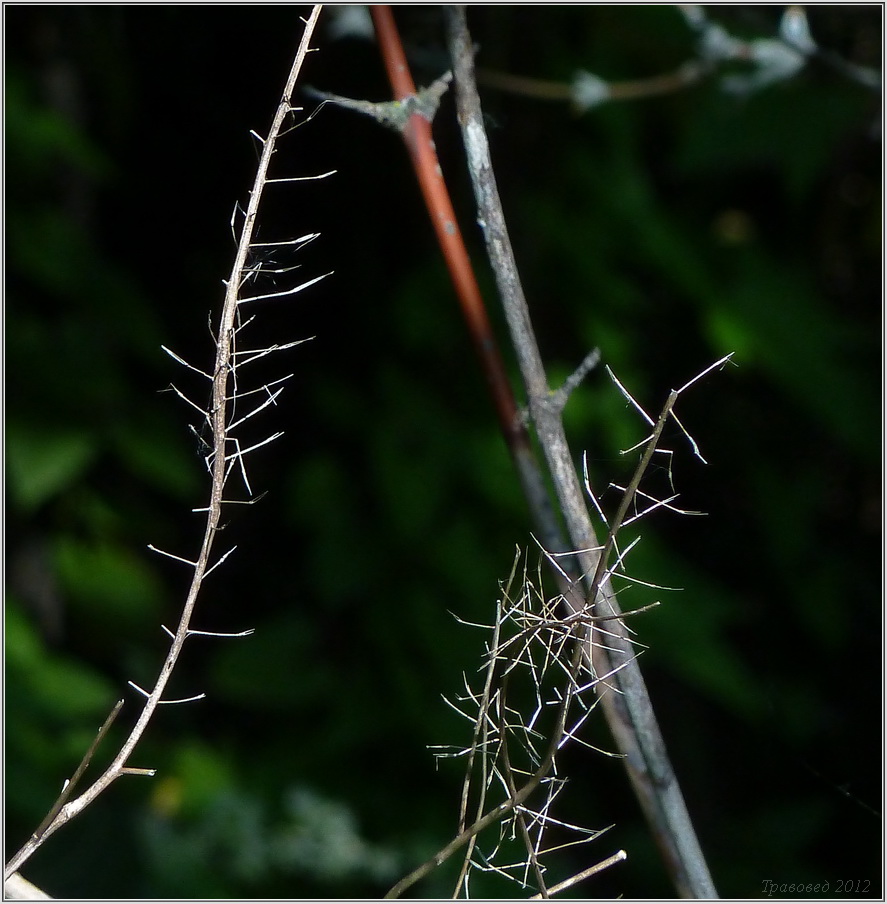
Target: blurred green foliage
667	232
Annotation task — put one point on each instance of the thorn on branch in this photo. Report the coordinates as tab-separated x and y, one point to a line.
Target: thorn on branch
299	288
585	874
162	552
182	361
222	559
271	400
241	452
302	178
629	396
191	631
254	499
145	694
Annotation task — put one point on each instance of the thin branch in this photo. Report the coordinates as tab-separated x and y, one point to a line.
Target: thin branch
496	814
588	363
171	556
630	716
302	178
628	395
144	693
17	888
71	783
585	874
212	568
192	632
182	361
241	452
588	90
221	373
301	240
256	354
271	400
182	396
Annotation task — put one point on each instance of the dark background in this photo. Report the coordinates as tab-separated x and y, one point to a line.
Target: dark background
667	231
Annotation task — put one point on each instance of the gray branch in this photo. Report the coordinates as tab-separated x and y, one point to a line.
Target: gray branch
630	714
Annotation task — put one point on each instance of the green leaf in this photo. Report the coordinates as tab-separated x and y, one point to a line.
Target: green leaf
42	464
108	581
57	686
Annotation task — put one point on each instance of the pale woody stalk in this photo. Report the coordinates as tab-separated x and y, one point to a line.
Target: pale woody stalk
223	392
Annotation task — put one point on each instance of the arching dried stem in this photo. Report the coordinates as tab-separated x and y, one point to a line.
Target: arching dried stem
220	460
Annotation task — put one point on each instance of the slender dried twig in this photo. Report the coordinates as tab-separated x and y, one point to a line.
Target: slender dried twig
480	741
591	871
495	815
220	462
529	633
588	90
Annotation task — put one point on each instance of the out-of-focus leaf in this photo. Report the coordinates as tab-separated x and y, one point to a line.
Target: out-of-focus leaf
320	838
795	338
196	776
689	630
276	668
106	581
57	705
159	456
790	130
38	138
43	463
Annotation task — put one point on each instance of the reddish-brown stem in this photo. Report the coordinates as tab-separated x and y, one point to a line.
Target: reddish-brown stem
420	143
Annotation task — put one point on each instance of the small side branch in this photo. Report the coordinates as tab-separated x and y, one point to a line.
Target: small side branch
71	784
394	114
588	364
618	857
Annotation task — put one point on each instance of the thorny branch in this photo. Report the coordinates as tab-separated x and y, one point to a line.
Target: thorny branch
538	643
635	728
630	713
220	463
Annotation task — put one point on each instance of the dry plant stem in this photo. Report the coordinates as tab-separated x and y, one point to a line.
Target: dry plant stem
514	800
637	89
482	730
518	795
629	714
72	783
585	874
420	144
220	398
521	821
17	888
